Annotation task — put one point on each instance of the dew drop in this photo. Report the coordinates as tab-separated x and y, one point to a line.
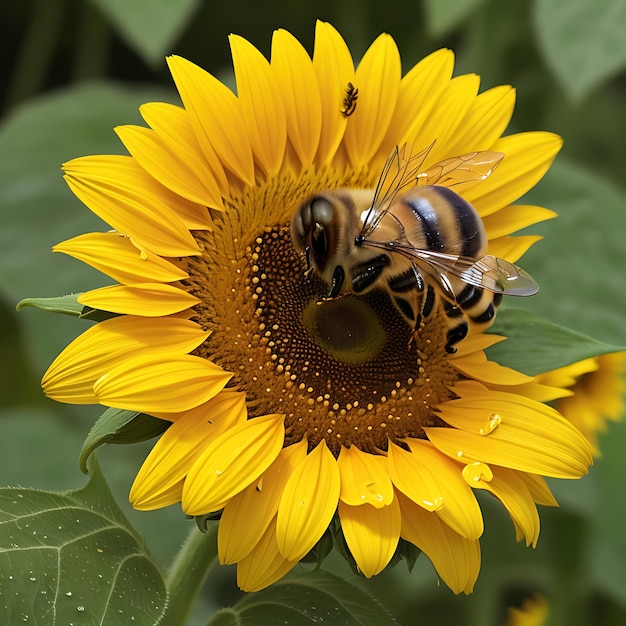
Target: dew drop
32	579
492	423
80	608
218	472
68	594
477	472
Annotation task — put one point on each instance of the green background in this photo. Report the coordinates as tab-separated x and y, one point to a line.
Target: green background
75	68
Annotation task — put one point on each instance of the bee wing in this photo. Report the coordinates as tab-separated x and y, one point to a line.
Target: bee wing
488	272
400	171
466	168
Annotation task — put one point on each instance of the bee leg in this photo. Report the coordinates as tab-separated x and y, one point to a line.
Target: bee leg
458	326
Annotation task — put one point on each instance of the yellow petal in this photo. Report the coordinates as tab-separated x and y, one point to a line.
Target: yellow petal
539	489
456	559
419	94
441	125
151	383
118	191
247	516
530	436
71	376
513	218
378	80
484	122
297	84
308	503
512	248
116	256
334	69
435	483
477	366
215	116
232	462
261	105
264	565
508	486
527	158
371	533
173	125
162	474
153	154
145	299
364	478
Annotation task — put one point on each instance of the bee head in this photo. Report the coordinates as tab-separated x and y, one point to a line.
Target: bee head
314	228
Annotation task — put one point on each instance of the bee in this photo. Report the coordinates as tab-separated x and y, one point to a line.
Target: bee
415	237
349	102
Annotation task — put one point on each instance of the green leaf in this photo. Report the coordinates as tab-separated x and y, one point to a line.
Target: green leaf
316	597
73	558
580	264
150	27
534	345
443	16
67	305
583	42
38	210
120	426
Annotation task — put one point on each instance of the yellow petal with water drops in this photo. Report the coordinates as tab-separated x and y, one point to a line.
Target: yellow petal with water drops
364	478
378	80
334	69
484	122
216	118
477	366
264	565
441	125
527	158
539	489
154	155
513	218
512	248
71	376
371	533
172	457
297	84
418	95
174	126
248	514
429	479
145	299
117	257
456	559
510	489
531	437
121	193
162	382
231	462
308	503
261	105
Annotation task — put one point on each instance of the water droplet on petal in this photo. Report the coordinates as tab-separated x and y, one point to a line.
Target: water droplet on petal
477	472
218	472
492	423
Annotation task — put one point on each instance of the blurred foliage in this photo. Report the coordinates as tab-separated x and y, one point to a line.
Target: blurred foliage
83	66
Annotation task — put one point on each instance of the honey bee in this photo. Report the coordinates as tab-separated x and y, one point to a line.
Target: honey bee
415	237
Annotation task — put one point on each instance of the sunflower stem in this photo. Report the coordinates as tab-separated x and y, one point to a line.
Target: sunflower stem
188	573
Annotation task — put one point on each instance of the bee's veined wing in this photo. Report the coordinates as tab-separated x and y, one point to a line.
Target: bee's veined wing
400	171
466	168
488	272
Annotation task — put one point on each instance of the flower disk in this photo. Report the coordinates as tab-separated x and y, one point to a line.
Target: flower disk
292	414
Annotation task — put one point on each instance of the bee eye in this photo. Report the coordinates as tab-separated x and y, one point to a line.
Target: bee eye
319	241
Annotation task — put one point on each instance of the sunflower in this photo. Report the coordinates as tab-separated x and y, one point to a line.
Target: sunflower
291	415
595	390
534	611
